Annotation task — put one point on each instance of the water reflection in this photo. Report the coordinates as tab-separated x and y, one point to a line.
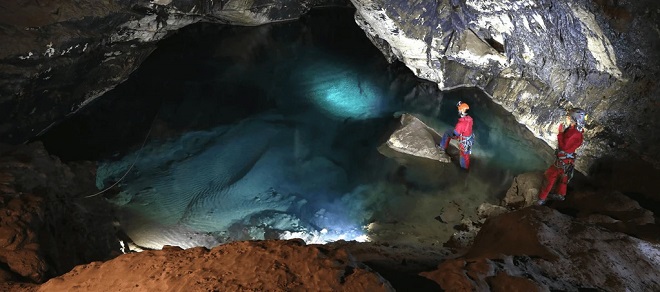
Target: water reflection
272	132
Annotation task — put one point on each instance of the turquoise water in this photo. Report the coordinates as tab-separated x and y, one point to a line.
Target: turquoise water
272	132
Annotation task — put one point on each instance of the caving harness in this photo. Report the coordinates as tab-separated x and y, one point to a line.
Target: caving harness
565	161
466	143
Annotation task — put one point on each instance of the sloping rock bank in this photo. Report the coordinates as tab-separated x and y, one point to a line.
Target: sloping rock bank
594	240
239	266
556	252
46	227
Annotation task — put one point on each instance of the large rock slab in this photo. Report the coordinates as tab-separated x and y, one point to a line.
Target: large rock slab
415	138
524	190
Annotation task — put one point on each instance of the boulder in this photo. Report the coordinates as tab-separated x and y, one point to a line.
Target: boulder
415	138
524	190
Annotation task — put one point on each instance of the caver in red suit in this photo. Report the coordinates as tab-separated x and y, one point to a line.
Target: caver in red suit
568	140
463	132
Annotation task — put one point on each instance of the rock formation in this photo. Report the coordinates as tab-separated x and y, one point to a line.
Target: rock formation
59	56
415	138
46	225
249	265
533	57
536	58
542	248
596	239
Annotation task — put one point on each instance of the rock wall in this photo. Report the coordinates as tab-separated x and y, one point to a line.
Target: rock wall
58	56
536	57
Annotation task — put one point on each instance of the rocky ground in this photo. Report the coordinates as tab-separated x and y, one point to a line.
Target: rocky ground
53	239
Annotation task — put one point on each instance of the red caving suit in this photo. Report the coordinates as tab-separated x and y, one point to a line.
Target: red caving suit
567	141
463	132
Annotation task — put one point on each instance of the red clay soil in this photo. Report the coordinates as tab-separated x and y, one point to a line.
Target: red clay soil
239	266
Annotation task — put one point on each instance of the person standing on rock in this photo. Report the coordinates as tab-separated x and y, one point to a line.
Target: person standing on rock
463	132
569	138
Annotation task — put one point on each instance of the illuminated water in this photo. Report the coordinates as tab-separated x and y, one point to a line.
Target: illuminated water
271	132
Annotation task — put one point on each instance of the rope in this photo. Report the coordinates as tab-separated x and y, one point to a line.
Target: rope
132	165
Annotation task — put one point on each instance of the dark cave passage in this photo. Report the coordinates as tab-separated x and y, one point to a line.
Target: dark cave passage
272	132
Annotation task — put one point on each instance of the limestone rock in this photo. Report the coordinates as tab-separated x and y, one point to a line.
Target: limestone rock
614	211
536	58
413	137
465	233
19	247
524	190
57	57
540	249
533	57
451	213
486	210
